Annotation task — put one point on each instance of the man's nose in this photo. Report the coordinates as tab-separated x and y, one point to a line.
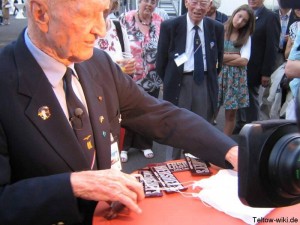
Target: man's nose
100	26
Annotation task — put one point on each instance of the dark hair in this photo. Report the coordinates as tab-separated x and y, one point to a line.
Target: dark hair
245	31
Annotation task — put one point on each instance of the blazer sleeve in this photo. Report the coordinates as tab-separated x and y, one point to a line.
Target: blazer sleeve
272	39
220	40
163	49
167	124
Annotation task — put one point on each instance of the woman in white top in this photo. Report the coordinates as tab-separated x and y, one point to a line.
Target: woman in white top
116	42
233	89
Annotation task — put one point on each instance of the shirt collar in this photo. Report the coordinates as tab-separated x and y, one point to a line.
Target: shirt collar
53	69
288	14
190	24
258	10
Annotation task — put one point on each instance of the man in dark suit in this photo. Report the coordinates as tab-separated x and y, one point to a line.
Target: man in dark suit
215	14
44	175
262	62
286	17
175	59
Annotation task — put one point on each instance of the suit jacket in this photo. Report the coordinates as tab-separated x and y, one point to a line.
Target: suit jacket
292	18
221	17
172	41
37	156
264	47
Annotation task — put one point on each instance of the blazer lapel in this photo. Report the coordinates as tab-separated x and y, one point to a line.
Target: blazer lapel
98	114
56	128
209	41
259	13
180	39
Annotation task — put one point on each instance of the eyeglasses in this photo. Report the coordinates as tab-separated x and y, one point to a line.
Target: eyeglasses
202	4
152	2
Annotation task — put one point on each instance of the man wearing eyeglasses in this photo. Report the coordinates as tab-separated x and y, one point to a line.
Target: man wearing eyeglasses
177	59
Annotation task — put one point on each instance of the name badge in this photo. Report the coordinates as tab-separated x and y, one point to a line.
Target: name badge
181	59
115	156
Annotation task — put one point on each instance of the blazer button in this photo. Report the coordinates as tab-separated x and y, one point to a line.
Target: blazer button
179	85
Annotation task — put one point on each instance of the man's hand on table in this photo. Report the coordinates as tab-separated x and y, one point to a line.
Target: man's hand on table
232	157
108	185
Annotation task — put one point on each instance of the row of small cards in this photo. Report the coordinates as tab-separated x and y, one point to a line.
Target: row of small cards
159	177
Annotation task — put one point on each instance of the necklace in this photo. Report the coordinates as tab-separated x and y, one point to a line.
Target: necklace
143	23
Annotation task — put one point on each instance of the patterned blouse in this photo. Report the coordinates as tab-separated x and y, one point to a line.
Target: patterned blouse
294	28
144	49
111	43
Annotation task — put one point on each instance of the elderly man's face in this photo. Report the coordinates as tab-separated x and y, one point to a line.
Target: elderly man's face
71	33
197	9
211	11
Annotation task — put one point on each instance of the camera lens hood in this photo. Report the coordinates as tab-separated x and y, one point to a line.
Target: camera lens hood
269	164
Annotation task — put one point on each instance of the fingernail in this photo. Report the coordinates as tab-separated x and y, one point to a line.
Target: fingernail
139	211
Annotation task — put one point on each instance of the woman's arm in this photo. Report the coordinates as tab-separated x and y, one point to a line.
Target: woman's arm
288	48
239	59
292	68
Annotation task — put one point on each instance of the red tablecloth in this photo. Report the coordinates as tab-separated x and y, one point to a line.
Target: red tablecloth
174	209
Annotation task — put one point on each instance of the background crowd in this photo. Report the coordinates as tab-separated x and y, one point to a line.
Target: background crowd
71	99
240	58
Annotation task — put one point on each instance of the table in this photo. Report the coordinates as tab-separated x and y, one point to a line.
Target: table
174	209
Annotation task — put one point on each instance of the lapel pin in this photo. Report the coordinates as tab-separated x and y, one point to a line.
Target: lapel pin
101	118
100	98
44	112
104	134
212	44
88	142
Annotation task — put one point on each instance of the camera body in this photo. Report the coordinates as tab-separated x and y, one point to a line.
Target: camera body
269	163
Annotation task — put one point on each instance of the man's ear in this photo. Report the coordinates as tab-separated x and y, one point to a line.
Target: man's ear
185	3
40	14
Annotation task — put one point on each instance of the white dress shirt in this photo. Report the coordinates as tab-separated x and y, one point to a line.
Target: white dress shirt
54	72
189	47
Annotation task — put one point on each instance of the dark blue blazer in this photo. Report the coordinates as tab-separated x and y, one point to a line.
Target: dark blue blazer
264	47
37	156
172	41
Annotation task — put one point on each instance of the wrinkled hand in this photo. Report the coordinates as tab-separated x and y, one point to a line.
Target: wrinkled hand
108	185
232	157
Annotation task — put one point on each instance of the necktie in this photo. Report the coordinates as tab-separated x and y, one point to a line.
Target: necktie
198	58
80	121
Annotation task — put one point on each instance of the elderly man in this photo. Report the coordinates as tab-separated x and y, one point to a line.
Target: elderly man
61	102
180	61
215	14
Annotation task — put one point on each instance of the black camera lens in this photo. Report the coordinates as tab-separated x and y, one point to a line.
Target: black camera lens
269	164
284	166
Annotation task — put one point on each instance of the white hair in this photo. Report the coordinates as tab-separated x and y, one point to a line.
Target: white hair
216	3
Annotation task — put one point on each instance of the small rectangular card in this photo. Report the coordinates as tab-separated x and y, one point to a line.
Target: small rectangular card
169	182
151	184
178	166
197	166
